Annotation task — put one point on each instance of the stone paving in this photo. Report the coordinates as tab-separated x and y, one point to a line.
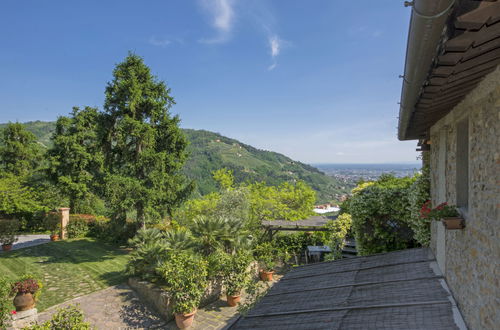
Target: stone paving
30	240
118	307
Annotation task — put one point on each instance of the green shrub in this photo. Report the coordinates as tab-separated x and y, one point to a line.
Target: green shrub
338	231
185	278
380	215
99	228
418	195
236	271
296	243
149	250
78	225
5	302
69	318
267	255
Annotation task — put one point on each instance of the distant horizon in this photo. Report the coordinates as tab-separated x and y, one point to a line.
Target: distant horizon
314	164
388	163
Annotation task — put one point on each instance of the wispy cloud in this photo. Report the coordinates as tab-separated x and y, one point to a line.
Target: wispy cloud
222	19
159	42
275	45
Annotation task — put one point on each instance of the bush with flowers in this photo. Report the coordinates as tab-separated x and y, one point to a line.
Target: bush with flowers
27	284
443	210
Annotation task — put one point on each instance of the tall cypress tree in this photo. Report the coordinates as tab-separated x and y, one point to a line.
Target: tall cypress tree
144	147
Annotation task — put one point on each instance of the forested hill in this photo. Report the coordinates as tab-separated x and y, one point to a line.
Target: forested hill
210	151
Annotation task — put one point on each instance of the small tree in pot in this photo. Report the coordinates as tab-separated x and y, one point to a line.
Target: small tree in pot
236	275
8	233
185	278
26	292
53	224
267	255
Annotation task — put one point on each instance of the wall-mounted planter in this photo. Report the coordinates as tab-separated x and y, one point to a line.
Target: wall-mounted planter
454	223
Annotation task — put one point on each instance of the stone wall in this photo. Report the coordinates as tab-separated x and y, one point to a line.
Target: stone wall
472	255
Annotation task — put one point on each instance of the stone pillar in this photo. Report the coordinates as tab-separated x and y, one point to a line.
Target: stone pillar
23	319
64	211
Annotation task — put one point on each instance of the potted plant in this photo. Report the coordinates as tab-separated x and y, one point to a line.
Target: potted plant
266	255
235	275
26	292
449	216
8	233
185	278
53	224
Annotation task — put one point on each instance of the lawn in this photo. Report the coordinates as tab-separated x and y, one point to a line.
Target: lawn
68	269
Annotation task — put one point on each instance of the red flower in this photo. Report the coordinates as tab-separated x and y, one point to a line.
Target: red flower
13	312
425	210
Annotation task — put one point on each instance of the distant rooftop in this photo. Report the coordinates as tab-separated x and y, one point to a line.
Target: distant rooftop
396	290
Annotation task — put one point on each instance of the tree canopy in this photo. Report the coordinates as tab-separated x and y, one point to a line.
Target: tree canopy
19	150
75	158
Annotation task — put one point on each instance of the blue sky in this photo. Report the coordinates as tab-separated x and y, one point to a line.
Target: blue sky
316	80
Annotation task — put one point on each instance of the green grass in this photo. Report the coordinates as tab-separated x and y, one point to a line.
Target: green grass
68	269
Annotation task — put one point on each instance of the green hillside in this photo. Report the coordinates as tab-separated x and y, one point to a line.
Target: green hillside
210	151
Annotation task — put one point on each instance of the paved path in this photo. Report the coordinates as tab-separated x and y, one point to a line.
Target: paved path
30	240
118	307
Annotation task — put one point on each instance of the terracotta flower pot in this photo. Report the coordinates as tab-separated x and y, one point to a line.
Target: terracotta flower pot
24	301
54	237
233	300
6	247
266	275
184	321
453	223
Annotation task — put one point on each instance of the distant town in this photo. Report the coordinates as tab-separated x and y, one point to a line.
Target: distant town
352	173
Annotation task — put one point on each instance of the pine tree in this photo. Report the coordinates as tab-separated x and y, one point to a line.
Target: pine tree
144	148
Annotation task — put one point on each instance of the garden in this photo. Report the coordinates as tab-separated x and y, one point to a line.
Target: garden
133	215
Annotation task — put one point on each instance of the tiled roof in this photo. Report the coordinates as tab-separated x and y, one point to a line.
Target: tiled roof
396	290
470	50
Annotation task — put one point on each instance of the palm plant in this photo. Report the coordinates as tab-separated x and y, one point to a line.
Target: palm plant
150	249
179	240
214	233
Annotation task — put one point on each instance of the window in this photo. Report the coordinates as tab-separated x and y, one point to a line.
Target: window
462	178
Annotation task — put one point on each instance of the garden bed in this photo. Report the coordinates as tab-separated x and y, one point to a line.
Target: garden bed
159	299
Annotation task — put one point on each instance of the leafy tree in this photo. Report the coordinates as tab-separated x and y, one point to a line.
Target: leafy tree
338	231
286	201
224	178
75	157
16	198
20	153
144	147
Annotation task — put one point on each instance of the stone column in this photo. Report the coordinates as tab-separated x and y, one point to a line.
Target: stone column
64	211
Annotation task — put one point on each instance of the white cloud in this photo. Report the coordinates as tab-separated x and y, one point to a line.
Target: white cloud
222	16
272	66
159	42
275	45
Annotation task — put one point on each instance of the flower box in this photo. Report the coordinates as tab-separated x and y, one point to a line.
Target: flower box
453	222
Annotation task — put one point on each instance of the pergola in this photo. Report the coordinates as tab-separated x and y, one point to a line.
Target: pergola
314	223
